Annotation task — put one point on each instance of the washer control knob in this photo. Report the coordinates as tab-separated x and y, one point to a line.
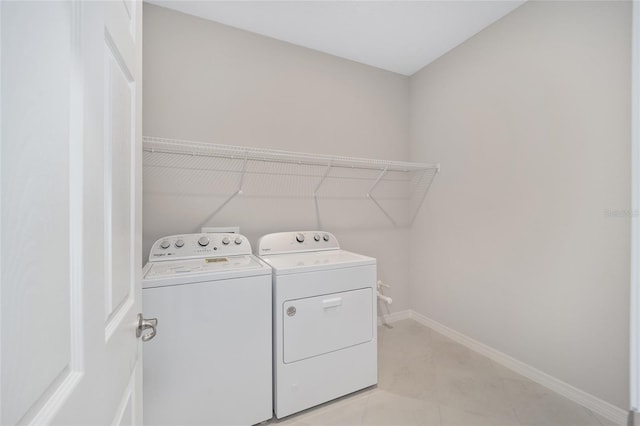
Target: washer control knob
325	237
300	238
226	241
203	241
165	244
179	243
238	240
316	237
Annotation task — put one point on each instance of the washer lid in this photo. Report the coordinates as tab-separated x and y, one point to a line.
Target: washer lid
173	272
315	261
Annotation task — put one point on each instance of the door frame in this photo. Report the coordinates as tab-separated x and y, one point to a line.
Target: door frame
634	382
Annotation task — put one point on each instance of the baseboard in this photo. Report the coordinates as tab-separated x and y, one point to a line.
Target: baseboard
593	403
393	317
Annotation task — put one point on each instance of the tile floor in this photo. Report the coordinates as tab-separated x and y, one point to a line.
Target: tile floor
424	378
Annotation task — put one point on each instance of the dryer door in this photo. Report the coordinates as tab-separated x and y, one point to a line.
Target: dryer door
317	325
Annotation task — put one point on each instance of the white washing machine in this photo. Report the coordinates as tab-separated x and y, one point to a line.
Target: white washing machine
324	319
211	360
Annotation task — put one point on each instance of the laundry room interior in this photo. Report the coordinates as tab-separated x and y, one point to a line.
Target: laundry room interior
514	249
320	212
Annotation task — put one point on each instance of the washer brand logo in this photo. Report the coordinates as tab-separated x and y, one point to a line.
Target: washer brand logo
216	260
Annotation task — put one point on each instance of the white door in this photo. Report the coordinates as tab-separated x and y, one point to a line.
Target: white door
70	203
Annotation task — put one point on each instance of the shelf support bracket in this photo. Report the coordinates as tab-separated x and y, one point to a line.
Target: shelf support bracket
424	194
232	196
372	198
315	195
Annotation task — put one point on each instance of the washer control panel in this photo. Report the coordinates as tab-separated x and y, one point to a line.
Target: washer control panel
297	242
189	246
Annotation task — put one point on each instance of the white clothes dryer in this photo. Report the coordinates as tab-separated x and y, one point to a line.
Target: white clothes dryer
210	362
324	319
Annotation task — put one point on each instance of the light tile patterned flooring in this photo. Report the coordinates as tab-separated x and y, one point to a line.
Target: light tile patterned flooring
424	378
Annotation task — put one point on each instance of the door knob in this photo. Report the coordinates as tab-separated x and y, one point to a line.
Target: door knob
146	324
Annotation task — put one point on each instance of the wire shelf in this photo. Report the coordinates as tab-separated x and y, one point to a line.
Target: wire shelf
201	169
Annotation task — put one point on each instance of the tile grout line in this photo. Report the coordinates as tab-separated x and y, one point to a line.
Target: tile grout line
433	365
366	406
504	389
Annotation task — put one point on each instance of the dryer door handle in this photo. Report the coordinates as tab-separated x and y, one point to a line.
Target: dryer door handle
330	303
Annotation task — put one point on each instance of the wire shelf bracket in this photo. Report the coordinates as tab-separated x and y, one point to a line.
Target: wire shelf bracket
315	195
232	196
372	198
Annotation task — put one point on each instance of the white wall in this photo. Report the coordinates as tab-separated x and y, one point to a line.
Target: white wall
207	82
515	247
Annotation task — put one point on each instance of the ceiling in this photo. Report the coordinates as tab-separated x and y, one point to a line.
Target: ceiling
398	36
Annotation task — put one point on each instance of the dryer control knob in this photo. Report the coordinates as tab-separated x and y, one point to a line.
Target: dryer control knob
238	240
325	237
316	237
165	244
300	238
226	241
179	243
203	241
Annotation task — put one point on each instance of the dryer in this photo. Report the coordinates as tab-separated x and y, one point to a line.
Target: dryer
210	362
324	319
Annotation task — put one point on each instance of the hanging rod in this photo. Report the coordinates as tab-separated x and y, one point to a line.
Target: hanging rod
177	146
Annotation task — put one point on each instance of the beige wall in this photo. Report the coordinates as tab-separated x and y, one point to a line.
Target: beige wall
514	247
204	81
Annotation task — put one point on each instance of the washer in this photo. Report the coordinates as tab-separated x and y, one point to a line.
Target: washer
210	362
324	323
